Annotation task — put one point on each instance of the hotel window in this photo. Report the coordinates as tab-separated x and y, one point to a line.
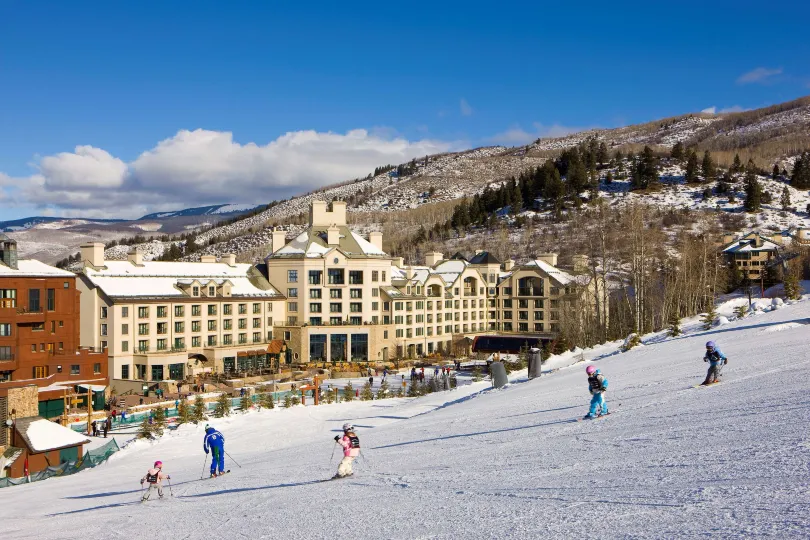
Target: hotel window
227	324
538	314
315	321
195	291
162	328
125	346
292	306
212	291
523	327
383	277
125	372
269	307
212	341
179	343
103	329
292	319
196	310
227	339
103	313
315	307
212	326
242	324
257	308
334	321
257	322
5	329
335	276
355	307
292	292
398	306
386	306
375	276
335	293
356	320
292	276
143	345
269	321
143	329
242	309
400	333
375	292
51	299
179	311
8	298
179	327
538	304
162	312
315	277
196	326
375	306
538	327
212	310
335	307
161	344
399	319
143	312
315	293
355	277
40	372
355	293
227	309
257	337
196	341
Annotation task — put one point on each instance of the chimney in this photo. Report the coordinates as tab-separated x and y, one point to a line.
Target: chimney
433	258
229	259
550	258
333	235
317	213
508	265
375	237
777	239
8	251
580	264
728	238
339	212
409	273
208	258
92	254
279	239
399	262
135	257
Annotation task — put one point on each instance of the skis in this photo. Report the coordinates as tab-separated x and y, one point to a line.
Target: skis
705	385
220	474
336	477
597	417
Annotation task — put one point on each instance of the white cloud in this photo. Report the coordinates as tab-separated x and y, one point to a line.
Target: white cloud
724	110
759	75
710	110
465	108
201	167
516	135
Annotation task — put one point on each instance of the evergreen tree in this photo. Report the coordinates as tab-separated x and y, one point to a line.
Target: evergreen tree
709	317
691	176
183	412
677	151
146	431
382	393
800	176
268	400
477	376
329	396
367	394
413	390
517	198
736	167
609	178
708	167
723	184
400	393
675	323
160	420
775	172
199	410
645	172
288	401
741	311
602	153
785	198
245	403
753	192
792	284
348	392
223	406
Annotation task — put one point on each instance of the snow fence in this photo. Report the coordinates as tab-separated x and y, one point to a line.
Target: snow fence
91	459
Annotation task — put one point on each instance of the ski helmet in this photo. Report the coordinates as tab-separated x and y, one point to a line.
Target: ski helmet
348	427
590	370
711	345
158	464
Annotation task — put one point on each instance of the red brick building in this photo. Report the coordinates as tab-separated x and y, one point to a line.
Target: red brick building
39	332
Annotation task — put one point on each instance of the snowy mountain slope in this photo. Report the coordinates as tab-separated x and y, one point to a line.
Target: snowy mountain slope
216	209
671	461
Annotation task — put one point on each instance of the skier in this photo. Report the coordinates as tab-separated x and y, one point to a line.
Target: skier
216	442
154	476
716	361
351	449
597	385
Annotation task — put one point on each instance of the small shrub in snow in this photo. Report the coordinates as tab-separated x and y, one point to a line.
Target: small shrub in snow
382	393
223	407
631	341
348	392
741	311
709	318
366	394
199	410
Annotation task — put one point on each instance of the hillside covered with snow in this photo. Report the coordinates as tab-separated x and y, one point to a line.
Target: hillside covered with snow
672	460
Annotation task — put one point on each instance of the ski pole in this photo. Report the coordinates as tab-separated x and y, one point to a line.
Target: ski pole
169	480
229	457
202	472
333	452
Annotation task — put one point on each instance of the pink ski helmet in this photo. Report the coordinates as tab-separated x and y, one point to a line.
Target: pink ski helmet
158	464
590	370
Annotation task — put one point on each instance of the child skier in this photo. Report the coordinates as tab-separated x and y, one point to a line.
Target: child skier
216	442
155	477
597	385
716	361
351	449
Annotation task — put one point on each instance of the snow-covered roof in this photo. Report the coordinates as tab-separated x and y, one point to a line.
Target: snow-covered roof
746	245
164	279
313	243
43	435
32	268
564	278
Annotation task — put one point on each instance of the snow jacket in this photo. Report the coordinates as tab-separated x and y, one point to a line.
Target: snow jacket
597	383
714	357
351	444
213	439
154	476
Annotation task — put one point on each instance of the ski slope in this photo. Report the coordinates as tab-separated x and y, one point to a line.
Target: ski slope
672	460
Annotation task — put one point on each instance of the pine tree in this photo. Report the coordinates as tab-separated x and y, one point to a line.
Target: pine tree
288	402
245	403
785	199
677	151
753	192
382	392
268	400
367	394
199	410
400	393
800	176
602	153
159	421
146	431
708	167
223	406
792	284
348	392
737	165
709	317
691	176
477	374
775	172
413	389
183	412
741	311
609	178
329	396
675	323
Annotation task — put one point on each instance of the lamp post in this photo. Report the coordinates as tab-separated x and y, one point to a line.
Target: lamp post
10	426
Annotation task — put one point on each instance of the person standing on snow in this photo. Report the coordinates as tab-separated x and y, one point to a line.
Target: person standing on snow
597	385
716	361
351	449
216	442
154	476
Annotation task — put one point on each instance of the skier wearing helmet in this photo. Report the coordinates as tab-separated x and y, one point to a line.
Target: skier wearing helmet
351	449
597	385
154	477
716	361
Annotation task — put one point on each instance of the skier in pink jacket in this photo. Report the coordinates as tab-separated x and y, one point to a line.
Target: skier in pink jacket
351	449
154	477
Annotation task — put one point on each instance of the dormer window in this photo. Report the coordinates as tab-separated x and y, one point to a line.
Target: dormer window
195	291
212	291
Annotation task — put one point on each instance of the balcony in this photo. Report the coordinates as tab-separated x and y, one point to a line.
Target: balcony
530	291
30	315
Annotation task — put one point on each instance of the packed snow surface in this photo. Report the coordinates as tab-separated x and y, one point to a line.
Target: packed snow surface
672	460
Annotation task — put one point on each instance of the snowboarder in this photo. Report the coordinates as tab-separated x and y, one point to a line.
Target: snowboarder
351	449
716	361
216	442
597	385
154	477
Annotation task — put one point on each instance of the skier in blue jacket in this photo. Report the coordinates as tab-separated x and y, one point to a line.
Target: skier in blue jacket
716	361
597	385
214	440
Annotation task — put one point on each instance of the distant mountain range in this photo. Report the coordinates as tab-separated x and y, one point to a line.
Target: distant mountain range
214	210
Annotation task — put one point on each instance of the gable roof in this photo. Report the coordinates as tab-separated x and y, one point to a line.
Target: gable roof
32	268
746	244
485	257
313	243
42	435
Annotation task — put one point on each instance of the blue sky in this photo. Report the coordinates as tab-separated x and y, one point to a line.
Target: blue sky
386	80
